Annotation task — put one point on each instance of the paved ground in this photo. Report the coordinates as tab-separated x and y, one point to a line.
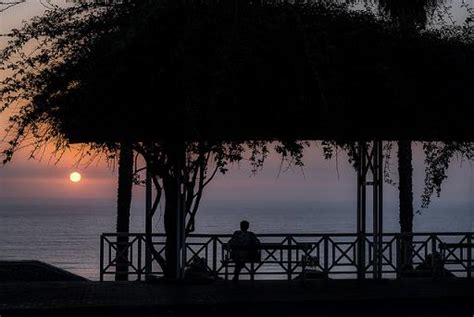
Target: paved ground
414	297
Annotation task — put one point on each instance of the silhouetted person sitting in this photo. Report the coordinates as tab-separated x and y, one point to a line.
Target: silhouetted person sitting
244	248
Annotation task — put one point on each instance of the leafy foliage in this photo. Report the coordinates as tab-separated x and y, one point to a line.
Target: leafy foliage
257	64
43	58
438	156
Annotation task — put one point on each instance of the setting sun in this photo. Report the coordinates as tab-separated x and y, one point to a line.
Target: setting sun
75	177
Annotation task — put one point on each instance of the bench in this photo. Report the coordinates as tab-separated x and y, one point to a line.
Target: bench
271	248
449	248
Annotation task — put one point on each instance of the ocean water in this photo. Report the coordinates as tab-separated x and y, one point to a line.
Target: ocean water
66	233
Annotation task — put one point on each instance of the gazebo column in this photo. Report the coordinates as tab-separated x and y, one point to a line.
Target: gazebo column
180	214
378	208
148	223
361	210
370	162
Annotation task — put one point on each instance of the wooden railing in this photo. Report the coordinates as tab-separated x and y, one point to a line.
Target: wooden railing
337	254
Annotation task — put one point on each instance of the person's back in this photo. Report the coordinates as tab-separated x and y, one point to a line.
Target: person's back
244	238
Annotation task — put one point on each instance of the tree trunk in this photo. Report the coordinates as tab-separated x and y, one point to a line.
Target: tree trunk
124	198
405	173
176	162
170	186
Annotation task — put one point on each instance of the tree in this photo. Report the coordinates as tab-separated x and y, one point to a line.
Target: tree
196	164
7	5
172	163
60	68
412	16
124	199
78	18
438	156
409	16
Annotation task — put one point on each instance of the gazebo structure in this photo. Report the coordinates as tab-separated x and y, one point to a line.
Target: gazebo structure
202	72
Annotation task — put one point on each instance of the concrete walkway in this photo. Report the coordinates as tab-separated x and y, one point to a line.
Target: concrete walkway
272	297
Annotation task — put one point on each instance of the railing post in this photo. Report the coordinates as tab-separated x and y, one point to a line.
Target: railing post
361	237
469	256
399	255
433	254
184	256
289	257
214	255
326	256
101	258
139	255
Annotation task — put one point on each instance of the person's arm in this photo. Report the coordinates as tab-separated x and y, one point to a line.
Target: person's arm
255	239
233	239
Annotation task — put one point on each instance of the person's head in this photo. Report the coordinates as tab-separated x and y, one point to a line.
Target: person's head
244	225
